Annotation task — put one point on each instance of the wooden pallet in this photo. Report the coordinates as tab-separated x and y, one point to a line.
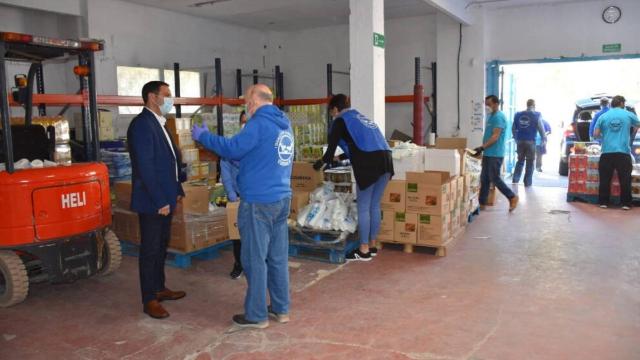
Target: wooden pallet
440	249
180	259
334	255
592	198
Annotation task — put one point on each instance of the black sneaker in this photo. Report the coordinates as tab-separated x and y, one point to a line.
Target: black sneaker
281	318
357	255
240	321
236	272
373	251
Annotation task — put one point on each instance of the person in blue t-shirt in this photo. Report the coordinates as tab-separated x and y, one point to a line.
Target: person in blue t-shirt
604	107
265	149
526	126
614	128
493	148
541	147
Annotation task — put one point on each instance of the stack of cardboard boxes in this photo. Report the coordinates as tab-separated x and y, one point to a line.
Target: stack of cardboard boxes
193	226
584	176
304	179
429	207
180	131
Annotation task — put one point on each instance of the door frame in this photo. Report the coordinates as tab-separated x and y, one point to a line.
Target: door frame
493	82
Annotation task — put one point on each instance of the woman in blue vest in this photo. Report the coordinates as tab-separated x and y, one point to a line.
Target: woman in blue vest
364	145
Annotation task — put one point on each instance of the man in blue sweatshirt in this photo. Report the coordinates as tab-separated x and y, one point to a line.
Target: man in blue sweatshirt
264	149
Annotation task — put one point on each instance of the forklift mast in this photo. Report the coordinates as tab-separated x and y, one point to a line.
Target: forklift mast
36	49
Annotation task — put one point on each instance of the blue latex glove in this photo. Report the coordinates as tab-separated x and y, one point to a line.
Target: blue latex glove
197	131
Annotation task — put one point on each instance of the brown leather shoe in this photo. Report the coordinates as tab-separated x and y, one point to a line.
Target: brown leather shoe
513	203
154	309
167	294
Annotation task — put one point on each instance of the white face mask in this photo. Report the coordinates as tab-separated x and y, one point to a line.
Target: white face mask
166	106
488	109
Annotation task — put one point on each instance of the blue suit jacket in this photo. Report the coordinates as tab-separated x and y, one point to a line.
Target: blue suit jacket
153	166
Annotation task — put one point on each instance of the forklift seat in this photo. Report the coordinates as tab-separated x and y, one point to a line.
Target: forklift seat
30	142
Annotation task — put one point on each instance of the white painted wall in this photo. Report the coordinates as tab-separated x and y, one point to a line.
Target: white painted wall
471	87
570	29
58	75
67	7
303	56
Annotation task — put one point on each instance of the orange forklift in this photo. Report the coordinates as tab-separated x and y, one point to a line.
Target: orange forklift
56	225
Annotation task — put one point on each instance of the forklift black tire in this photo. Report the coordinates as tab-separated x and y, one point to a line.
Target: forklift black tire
14	281
113	252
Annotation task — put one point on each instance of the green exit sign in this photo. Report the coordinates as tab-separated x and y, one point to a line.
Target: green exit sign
378	40
611	48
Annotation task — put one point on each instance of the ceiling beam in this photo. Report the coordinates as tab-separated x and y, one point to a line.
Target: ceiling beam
454	8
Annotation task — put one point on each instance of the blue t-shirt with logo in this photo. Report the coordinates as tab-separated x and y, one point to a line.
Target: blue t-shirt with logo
496	120
615	126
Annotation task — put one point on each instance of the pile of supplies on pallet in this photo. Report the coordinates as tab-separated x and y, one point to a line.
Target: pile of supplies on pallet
332	206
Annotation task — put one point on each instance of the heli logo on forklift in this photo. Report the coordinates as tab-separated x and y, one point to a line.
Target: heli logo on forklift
73	200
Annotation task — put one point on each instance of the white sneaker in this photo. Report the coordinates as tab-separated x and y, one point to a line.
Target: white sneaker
626	208
603	206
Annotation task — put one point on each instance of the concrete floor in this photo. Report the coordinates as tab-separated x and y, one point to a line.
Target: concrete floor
535	284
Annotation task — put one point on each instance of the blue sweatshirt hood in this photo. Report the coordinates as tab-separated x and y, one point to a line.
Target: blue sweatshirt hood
264	148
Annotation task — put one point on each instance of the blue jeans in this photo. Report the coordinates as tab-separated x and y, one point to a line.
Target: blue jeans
526	153
369	214
491	174
265	255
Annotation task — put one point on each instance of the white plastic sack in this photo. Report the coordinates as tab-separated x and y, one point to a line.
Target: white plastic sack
22	164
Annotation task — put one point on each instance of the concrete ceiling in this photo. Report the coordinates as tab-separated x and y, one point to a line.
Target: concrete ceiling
284	15
293	15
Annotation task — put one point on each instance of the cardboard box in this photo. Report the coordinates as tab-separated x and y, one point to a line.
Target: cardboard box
459	144
387	226
408	161
194	232
433	229
455	220
453	191
122	190
394	196
125	225
190	155
460	187
304	177
428	192
299	200
405	228
232	220
442	160
196	200
183	139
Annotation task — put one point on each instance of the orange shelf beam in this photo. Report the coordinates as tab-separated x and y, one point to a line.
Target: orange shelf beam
115	100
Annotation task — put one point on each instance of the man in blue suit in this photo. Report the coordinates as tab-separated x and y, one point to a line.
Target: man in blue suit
156	188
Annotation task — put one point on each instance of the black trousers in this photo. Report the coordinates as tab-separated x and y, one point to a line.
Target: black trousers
621	163
155	232
236	252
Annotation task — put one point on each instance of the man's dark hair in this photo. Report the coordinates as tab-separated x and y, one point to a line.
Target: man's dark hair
604	101
618	101
340	101
531	103
494	99
241	114
152	87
